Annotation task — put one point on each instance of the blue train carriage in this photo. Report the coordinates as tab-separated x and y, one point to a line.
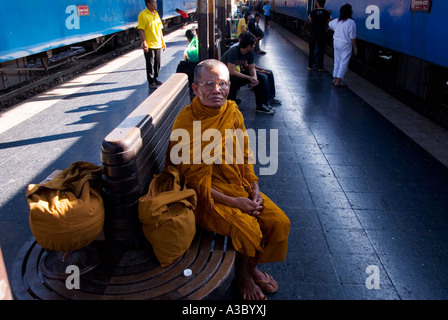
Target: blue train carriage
406	42
61	23
292	8
52	28
403	41
30	27
413	27
292	14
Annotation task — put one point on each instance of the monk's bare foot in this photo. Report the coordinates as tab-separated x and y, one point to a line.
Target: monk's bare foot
249	290
264	281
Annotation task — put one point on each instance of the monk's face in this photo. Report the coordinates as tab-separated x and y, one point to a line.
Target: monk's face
213	87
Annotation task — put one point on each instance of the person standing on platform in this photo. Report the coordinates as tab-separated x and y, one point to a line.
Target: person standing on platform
267	14
344	43
229	200
319	19
150	29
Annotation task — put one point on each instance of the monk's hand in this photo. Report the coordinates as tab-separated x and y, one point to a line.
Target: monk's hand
248	206
255	196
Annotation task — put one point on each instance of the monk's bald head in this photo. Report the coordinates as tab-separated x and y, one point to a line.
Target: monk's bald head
210	65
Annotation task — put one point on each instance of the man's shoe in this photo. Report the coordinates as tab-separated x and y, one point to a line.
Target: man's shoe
275	101
264	109
261	52
341	85
159	83
152	86
322	70
309	68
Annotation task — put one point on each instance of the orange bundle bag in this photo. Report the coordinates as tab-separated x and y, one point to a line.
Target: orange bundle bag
67	212
167	215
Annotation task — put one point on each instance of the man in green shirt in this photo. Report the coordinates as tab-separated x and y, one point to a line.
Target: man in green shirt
191	53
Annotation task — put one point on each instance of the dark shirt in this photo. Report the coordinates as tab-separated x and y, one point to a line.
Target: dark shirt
234	56
319	22
251	25
254	28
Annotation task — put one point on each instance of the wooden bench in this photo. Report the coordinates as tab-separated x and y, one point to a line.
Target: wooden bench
126	267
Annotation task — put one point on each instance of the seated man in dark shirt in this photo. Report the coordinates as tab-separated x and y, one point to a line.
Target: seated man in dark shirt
269	79
239	60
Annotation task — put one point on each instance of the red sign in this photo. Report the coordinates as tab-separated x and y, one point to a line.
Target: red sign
83	10
421	5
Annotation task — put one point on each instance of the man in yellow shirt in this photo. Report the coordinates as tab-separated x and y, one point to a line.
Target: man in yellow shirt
229	199
150	29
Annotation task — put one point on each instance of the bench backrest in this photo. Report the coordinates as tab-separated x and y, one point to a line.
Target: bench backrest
134	151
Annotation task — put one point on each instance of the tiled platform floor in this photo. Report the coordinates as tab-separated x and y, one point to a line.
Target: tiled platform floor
359	192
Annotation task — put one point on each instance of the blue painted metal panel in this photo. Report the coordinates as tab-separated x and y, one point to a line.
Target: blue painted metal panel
31	26
294	8
166	7
422	35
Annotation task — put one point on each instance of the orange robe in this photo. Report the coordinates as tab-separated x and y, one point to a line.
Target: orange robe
263	237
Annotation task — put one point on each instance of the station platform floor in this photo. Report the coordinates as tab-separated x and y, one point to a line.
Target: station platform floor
362	177
366	196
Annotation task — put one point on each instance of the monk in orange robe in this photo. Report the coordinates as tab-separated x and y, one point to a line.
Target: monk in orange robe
229	200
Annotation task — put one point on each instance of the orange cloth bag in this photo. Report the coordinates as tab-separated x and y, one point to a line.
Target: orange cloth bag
167	215
67	213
